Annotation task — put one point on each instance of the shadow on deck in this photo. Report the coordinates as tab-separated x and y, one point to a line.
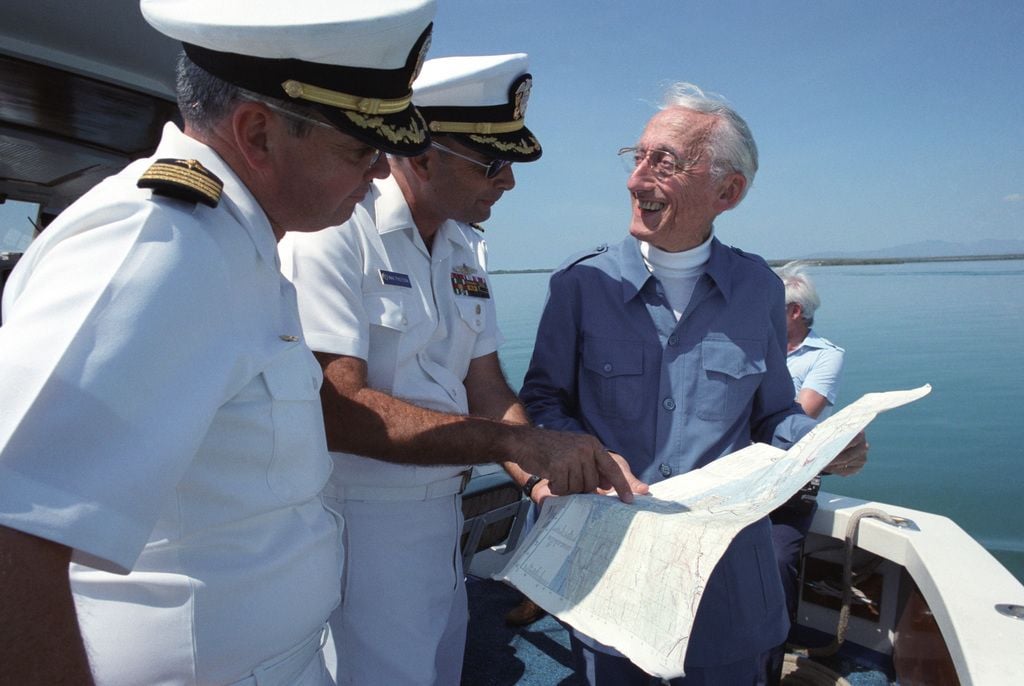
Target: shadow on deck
499	655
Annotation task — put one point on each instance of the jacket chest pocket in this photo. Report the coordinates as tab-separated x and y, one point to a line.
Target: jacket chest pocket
613	371
731	371
299	466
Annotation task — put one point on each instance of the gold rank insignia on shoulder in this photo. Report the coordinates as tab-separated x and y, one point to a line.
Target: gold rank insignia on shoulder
186	180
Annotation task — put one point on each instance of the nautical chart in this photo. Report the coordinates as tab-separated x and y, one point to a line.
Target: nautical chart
632	576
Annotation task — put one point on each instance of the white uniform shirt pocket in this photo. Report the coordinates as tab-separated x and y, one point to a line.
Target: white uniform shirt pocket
388	310
293	381
473	313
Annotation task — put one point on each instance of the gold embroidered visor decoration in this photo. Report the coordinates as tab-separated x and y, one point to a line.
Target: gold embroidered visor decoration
413	133
524	146
344	101
478	127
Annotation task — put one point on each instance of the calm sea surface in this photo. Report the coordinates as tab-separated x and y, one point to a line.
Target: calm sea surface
958	326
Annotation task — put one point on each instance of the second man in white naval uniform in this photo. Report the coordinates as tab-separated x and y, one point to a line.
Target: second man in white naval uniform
398	306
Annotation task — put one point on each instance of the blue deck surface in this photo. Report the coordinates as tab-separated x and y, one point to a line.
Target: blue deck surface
539	654
499	655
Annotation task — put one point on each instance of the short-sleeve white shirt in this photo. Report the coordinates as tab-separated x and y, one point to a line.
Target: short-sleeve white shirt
161	416
817	364
370	289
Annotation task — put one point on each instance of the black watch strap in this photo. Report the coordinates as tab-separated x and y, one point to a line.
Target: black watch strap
530	484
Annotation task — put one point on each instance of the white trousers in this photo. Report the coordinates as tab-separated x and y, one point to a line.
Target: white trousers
403	614
303	665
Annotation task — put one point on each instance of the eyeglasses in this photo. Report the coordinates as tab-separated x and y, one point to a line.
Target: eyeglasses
493	167
288	114
664	163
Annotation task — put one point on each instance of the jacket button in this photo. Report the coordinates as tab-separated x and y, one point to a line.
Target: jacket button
665	470
668	404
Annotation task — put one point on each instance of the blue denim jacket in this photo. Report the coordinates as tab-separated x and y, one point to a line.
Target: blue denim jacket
611	360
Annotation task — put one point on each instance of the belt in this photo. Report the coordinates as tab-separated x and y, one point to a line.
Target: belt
286	668
436	489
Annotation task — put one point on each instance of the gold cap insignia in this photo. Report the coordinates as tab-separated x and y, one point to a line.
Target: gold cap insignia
421	57
521	97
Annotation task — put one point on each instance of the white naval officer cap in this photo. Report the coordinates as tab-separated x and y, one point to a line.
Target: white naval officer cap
354	62
482	101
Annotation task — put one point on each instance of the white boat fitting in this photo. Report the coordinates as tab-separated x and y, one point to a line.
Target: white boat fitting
930	575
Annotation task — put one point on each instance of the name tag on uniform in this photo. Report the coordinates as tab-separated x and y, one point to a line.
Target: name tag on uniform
394	279
473	286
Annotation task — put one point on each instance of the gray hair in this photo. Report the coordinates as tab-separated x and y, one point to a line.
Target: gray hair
732	144
800	289
205	99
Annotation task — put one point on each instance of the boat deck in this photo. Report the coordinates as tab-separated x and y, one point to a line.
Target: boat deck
539	654
499	655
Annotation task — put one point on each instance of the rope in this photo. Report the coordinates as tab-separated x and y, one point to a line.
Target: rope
844	612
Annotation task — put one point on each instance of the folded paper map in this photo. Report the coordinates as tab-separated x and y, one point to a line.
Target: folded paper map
631	576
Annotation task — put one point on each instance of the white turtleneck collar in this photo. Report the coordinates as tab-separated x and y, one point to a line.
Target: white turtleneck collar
677	271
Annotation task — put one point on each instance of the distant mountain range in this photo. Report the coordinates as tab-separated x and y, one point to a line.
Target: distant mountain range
991	246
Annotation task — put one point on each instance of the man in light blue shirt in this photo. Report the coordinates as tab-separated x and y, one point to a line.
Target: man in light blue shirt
815	363
670	348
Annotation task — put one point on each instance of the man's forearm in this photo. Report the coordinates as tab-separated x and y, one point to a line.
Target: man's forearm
367	422
377	425
40	642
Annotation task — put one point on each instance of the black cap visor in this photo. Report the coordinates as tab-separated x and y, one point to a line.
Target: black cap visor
372	105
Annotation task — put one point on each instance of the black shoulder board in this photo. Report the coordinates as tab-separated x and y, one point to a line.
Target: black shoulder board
476	226
186	180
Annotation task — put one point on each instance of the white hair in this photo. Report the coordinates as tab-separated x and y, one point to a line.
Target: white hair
732	144
800	289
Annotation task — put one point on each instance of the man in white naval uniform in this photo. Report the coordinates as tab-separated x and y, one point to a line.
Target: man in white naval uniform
398	308
161	441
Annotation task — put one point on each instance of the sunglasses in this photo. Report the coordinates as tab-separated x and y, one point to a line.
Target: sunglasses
493	167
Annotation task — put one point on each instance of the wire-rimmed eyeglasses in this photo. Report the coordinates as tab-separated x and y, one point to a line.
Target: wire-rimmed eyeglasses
493	167
664	163
284	112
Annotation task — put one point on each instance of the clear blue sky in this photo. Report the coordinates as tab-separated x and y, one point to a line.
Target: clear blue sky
878	122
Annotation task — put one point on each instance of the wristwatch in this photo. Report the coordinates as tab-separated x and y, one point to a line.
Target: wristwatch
530	484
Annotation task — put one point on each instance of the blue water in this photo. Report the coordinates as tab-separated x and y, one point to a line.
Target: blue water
956	325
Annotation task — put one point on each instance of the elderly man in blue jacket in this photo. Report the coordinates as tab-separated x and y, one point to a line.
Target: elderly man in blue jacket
670	348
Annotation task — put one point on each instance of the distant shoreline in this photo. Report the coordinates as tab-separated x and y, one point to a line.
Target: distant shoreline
835	261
